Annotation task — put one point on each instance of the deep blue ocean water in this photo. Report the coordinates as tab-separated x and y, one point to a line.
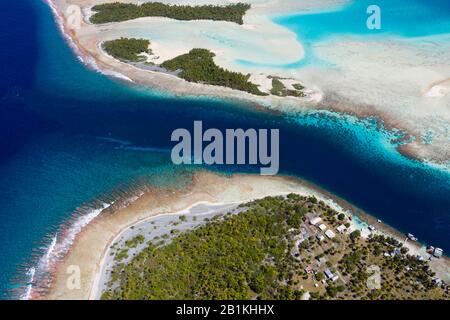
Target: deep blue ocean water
70	136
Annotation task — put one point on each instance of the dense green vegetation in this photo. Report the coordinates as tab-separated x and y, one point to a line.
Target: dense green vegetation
402	276
114	12
127	49
133	243
198	66
279	89
255	255
234	257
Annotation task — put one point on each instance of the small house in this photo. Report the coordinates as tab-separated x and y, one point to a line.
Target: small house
305	234
309	269
330	234
315	220
438	252
328	274
342	229
321	261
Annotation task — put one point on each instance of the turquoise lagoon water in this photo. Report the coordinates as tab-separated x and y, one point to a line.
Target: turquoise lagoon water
72	140
406	19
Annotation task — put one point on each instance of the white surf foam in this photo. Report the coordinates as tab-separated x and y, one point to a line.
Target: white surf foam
86	60
27	294
39	276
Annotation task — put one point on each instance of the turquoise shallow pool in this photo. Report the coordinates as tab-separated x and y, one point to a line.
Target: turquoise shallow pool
406	18
399	18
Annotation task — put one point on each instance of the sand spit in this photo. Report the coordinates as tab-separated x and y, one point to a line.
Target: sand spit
92	244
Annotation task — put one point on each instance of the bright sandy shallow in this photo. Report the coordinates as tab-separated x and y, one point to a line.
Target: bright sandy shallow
404	82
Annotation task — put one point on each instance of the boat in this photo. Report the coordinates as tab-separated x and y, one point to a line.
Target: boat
438	252
411	237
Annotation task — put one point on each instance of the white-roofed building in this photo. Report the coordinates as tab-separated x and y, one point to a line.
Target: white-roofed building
315	220
328	274
322	227
342	229
330	234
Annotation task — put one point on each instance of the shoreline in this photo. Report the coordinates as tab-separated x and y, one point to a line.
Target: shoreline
94	290
92	244
86	41
205	187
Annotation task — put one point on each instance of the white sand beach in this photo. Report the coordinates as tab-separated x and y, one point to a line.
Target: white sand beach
153	227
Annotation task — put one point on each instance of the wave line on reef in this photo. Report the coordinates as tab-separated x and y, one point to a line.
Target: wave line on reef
35	277
83	58
40	275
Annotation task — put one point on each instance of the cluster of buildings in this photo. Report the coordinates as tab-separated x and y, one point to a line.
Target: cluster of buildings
330	275
326	232
435	252
316	228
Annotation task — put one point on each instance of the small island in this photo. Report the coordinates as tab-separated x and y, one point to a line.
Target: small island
279	88
198	66
116	12
128	50
195	66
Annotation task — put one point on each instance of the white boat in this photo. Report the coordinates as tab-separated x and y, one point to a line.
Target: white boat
438	252
411	237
